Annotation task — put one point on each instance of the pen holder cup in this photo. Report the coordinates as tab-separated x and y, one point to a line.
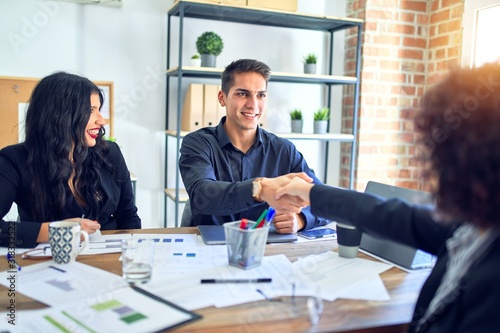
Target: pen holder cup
245	247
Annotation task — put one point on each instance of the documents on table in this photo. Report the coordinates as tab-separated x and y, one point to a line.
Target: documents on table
338	277
183	260
122	310
55	284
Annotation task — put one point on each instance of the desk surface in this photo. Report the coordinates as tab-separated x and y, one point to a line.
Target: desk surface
341	315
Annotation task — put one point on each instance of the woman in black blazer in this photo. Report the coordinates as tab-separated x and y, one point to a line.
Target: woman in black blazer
460	149
64	169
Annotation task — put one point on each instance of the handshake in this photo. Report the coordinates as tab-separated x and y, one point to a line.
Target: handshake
288	193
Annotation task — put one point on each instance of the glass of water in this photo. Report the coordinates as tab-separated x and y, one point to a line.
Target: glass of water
137	260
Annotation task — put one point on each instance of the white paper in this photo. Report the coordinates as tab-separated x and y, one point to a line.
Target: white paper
55	284
338	277
123	310
22	109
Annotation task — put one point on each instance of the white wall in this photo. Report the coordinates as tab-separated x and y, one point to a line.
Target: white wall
127	45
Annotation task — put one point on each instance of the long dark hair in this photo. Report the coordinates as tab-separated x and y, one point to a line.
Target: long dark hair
56	120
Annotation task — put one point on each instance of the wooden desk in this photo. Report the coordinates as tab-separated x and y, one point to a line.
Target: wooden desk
339	316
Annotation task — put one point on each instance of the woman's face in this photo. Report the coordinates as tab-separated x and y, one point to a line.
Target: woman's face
96	120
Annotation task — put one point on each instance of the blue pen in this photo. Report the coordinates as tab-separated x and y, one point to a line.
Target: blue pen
270	215
12	261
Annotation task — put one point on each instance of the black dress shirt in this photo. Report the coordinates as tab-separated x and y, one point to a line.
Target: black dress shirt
117	209
218	177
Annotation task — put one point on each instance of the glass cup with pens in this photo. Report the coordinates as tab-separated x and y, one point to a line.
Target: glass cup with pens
246	240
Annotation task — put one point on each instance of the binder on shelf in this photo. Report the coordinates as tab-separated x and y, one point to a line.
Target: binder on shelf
210	103
192	111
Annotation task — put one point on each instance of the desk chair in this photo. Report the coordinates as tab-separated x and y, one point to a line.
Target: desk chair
186	215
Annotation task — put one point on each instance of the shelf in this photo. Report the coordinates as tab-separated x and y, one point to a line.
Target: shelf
213	11
214	73
183	196
317	137
292	136
252	15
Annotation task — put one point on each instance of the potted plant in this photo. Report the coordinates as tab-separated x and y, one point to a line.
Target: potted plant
321	120
297	121
209	45
310	61
195	60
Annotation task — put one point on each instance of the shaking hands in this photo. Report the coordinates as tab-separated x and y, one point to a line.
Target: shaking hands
288	193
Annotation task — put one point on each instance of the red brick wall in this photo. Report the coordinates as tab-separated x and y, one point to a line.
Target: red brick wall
406	45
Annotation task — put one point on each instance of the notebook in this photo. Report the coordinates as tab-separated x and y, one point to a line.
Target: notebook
214	235
399	254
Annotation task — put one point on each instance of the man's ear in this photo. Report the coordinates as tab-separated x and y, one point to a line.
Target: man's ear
222	98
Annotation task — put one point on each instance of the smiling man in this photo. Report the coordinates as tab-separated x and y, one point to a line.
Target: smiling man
224	167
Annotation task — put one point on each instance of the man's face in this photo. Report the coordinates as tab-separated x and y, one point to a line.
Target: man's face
245	101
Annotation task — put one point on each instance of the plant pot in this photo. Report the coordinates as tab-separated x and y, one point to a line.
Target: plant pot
320	126
310	68
208	60
297	125
196	62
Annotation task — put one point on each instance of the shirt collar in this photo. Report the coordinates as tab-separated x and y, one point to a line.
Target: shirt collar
224	139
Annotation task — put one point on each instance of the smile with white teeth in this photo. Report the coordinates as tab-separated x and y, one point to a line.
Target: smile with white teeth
94	132
250	114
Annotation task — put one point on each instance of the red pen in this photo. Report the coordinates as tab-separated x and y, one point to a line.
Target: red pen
244	223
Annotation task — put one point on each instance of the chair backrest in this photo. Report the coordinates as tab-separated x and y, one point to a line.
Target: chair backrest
186	215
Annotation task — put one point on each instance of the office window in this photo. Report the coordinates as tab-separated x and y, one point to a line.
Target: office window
480	22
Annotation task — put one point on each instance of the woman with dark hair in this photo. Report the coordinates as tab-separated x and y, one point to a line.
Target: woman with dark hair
458	133
64	170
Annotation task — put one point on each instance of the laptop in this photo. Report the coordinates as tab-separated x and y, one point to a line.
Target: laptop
399	254
214	235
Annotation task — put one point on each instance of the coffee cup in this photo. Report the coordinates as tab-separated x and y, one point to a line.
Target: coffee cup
348	239
65	241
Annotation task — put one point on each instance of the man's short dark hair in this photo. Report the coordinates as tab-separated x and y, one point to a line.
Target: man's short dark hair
243	66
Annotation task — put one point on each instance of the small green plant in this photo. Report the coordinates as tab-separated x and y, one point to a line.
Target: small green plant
322	114
296	114
195	56
209	43
310	59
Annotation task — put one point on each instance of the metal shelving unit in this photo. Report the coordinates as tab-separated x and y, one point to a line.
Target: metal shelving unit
246	15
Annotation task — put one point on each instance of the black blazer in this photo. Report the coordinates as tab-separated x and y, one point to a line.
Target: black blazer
473	307
117	211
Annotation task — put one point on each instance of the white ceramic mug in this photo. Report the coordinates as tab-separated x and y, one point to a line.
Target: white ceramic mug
65	241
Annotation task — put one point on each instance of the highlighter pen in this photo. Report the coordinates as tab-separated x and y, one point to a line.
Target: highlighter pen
244	223
260	220
261	280
270	215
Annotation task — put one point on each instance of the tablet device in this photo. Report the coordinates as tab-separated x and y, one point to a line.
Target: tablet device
214	235
318	233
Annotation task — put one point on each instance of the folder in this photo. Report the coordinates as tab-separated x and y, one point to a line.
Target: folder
192	110
210	103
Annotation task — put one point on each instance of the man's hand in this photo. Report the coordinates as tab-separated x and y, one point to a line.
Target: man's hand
286	203
296	187
288	223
